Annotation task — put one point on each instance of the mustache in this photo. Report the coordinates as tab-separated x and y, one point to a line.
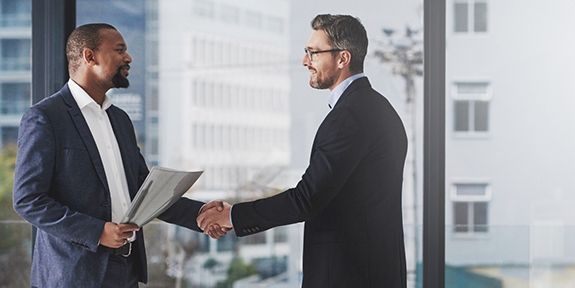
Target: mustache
127	67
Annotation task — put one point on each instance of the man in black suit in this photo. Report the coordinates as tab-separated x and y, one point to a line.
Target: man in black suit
350	194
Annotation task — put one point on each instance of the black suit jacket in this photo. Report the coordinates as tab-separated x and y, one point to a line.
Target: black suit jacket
60	187
349	197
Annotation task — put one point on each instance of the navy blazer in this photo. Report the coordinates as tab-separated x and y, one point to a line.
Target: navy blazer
349	197
60	187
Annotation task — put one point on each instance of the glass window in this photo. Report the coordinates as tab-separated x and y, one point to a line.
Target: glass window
15	54
15	13
219	86
204	8
15	95
9	135
470	15
514	225
471	108
461	17
14	98
470	207
230	14
480	17
254	19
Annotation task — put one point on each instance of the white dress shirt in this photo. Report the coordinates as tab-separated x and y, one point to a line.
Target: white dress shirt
340	88
103	134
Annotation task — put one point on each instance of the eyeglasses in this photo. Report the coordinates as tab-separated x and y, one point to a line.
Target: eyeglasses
311	53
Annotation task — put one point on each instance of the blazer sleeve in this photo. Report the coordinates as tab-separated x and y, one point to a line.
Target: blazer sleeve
337	150
35	169
183	213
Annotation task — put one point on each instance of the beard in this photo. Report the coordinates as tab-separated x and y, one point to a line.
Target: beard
119	80
321	82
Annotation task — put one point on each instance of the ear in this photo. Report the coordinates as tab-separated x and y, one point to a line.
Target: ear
344	59
89	56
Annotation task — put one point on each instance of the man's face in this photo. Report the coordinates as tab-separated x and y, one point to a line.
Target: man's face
323	66
113	59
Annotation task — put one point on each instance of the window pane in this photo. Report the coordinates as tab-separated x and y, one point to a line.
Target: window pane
14	98
526	219
480	17
470	189
15	54
481	115
239	132
460	17
15	13
480	216
9	135
461	117
460	216
471	88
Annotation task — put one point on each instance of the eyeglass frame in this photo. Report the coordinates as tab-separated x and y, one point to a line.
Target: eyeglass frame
311	53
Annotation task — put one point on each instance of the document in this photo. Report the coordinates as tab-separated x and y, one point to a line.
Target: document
161	189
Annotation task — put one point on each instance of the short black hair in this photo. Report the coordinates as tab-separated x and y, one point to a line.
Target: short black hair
85	36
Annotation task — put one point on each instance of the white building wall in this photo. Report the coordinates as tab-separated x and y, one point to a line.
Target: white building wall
527	155
224	108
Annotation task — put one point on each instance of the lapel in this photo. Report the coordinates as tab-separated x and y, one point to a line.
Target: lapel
85	134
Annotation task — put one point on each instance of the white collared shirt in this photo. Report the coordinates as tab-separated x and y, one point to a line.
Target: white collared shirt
103	134
336	93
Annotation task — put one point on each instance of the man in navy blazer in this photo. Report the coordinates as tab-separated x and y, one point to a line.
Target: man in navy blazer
77	156
350	194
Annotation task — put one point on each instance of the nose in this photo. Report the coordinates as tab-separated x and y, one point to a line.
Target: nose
128	58
305	61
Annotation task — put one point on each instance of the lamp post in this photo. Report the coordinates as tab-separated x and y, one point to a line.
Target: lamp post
405	54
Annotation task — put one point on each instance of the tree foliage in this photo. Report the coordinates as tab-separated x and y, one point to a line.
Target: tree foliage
238	269
7	165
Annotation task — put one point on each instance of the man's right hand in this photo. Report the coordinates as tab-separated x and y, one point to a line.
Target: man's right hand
116	235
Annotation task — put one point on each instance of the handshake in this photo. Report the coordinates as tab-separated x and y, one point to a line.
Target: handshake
215	219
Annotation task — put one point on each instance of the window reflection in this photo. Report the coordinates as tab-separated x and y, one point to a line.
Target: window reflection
15	13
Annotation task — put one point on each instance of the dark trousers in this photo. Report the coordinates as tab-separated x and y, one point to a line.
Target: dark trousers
121	273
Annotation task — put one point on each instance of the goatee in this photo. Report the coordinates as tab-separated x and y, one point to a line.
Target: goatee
120	81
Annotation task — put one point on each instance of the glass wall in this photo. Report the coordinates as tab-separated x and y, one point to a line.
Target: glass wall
218	85
222	89
15	83
509	148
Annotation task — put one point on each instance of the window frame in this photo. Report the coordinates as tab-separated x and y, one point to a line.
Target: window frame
470	199
471	98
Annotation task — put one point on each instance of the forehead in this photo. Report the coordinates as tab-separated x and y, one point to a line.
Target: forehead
318	40
111	37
